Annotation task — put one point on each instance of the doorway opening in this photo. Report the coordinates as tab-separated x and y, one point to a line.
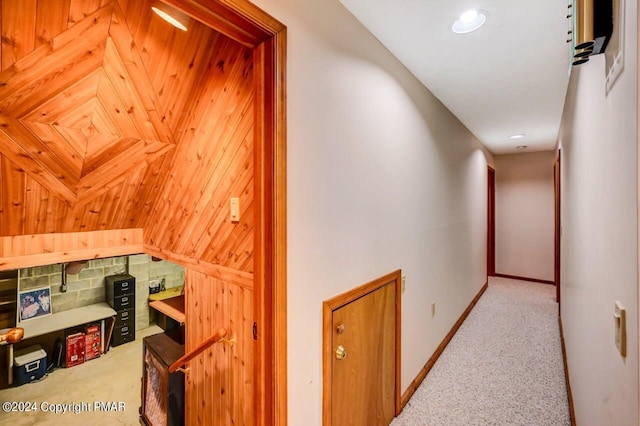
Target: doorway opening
491	222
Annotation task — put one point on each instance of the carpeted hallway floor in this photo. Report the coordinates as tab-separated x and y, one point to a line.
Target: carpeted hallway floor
503	367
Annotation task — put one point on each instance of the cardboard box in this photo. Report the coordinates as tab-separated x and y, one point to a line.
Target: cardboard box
75	349
30	364
92	341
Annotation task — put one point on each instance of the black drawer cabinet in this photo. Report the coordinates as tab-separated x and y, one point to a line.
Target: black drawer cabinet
123	334
122	303
121	295
126	317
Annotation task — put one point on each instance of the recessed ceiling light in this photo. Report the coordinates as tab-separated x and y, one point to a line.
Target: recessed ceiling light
518	136
172	16
521	147
469	21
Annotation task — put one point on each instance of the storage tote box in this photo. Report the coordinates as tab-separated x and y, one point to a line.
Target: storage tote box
92	346
30	364
75	349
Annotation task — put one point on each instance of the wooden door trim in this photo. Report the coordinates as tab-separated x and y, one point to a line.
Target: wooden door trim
328	306
247	24
491	221
270	254
557	183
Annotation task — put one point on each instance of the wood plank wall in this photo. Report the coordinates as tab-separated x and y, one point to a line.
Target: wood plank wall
24	251
219	385
213	162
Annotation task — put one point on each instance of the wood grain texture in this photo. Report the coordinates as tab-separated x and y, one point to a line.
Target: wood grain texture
25	251
369	339
85	109
237	19
380	354
270	229
191	215
18	29
221	378
572	409
557	226
232	276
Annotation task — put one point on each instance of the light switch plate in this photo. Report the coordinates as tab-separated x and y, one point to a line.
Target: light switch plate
235	209
620	321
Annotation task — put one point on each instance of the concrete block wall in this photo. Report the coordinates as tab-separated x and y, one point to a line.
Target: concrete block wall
83	289
88	286
139	268
172	273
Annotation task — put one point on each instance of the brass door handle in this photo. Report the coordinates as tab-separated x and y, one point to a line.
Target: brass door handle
341	353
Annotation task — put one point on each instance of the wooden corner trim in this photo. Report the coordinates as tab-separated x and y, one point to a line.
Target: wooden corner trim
430	363
572	412
224	273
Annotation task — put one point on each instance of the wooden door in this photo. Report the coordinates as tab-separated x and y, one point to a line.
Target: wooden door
558	229
363	348
491	222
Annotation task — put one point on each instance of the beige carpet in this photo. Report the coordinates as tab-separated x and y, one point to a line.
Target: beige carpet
91	389
503	367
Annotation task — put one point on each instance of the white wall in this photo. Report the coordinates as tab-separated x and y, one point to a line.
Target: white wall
599	242
380	176
525	215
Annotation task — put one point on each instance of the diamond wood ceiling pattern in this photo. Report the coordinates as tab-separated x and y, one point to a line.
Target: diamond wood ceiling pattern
78	112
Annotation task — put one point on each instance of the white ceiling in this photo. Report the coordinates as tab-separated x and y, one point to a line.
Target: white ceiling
508	77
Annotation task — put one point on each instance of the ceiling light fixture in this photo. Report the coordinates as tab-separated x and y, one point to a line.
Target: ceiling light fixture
469	21
518	136
521	147
172	16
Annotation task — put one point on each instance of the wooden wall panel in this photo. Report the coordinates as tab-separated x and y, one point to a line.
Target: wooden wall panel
80	9
219	386
52	18
24	251
213	162
175	60
13	198
18	30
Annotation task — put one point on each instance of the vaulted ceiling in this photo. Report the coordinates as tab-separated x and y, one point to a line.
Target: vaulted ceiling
78	112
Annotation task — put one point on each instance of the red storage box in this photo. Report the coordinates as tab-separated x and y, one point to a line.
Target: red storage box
75	349
92	341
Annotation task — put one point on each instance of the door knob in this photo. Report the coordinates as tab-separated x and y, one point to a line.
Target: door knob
341	353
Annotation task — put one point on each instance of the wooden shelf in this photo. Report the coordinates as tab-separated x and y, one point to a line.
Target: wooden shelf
59	321
66	319
173	307
166	294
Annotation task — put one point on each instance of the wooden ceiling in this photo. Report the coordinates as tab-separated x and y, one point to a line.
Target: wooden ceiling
98	99
80	112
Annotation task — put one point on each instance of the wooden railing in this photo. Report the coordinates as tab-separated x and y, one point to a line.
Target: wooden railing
218	336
